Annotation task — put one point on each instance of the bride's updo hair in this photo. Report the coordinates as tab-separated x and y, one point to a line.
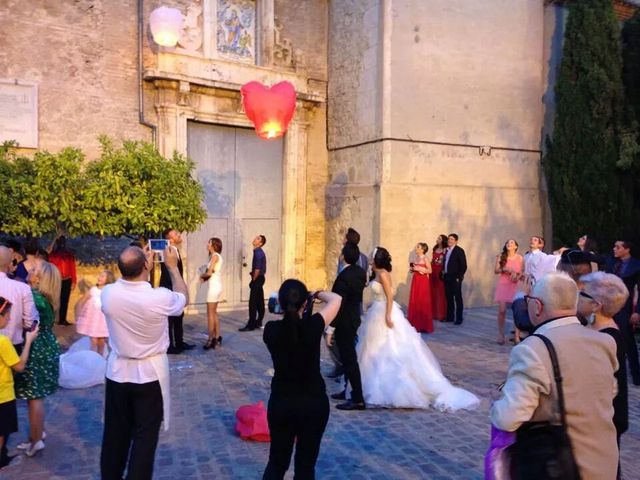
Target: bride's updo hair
292	295
382	259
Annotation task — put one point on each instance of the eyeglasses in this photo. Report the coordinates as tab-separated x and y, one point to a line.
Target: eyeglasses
586	295
529	297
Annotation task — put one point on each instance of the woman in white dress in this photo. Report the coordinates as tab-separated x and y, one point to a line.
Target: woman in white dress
398	369
213	275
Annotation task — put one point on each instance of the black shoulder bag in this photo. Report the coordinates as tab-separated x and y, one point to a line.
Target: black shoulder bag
542	450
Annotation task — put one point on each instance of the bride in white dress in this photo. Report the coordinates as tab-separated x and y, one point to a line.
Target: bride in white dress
398	369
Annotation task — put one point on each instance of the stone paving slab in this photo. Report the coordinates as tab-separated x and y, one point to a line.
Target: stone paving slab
376	444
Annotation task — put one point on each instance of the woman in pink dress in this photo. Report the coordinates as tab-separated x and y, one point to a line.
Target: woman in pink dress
420	314
90	320
509	265
438	300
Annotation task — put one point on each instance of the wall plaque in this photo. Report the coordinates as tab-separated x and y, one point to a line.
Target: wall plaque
19	113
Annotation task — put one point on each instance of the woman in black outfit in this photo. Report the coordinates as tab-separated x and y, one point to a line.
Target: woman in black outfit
602	295
298	407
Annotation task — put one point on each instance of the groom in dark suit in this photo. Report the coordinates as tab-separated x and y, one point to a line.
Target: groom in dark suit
349	285
455	266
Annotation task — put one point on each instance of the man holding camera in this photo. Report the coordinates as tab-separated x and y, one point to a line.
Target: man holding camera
137	383
587	361
176	331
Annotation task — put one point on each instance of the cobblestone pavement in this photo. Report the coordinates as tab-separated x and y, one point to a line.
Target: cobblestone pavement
208	387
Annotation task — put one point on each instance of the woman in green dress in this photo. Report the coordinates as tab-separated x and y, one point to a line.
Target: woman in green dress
40	378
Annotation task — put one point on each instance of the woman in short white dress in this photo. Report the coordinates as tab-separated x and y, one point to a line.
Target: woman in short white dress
214	292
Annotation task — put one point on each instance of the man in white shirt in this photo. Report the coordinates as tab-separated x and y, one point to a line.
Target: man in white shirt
537	263
137	386
23	311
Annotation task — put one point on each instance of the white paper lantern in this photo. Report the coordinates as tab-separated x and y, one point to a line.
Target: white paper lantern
166	26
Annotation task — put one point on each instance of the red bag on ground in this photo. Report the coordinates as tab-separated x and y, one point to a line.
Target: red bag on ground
252	422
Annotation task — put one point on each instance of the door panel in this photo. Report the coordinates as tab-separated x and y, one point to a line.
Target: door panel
259	187
242	178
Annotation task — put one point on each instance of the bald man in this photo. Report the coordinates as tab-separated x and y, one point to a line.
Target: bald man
137	387
24	311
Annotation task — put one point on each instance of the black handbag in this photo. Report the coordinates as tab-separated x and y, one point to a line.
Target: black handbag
542	450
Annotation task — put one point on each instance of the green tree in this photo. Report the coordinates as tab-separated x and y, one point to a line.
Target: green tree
133	190
631	78
44	193
584	160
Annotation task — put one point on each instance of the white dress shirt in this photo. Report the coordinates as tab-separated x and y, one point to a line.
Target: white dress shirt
23	311
446	258
136	317
537	264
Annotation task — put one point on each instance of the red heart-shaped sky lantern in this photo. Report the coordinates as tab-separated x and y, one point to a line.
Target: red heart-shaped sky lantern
270	109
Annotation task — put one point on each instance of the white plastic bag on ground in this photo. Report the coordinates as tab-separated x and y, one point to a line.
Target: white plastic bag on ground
81	367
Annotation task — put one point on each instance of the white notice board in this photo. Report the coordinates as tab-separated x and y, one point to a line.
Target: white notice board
19	113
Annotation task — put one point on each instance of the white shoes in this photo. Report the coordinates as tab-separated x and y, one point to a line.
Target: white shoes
35	448
27	445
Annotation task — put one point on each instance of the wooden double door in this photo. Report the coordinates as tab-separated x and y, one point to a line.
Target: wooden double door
242	179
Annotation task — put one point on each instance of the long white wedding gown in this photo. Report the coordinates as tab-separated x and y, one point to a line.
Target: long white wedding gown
398	369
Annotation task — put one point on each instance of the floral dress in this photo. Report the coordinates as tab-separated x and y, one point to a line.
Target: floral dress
40	378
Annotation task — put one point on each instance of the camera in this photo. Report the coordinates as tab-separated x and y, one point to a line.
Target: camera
158	245
521	313
308	309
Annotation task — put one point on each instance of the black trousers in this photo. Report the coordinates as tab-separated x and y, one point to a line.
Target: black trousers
345	338
453	294
176	331
629	339
299	419
65	293
256	301
132	418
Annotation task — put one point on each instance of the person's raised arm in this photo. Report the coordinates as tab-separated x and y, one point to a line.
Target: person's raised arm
171	262
332	302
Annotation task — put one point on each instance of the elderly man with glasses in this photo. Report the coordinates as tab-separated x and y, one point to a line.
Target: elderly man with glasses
587	361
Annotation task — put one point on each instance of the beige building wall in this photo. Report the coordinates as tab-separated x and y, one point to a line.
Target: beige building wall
83	57
452	76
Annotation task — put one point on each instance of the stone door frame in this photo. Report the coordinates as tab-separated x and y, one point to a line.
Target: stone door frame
179	102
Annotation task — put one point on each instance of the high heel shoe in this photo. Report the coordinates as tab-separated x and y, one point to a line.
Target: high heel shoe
219	340
211	343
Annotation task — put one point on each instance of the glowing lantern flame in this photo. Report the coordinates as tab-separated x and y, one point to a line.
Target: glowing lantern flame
166	25
270	109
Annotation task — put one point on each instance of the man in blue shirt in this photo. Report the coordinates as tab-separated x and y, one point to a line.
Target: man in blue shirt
256	292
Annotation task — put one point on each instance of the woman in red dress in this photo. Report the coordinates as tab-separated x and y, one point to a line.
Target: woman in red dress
420	314
438	300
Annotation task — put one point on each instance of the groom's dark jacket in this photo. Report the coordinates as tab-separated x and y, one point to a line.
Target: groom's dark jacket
349	285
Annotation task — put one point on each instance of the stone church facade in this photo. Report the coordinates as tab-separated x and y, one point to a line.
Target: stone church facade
413	118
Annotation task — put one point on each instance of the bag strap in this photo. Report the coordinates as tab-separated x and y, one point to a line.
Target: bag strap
556	374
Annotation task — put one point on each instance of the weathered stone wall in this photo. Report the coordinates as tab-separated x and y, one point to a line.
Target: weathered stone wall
467	72
452	75
354	63
305	25
82	56
317	176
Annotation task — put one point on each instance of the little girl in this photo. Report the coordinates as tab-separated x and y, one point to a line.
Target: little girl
10	361
90	320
